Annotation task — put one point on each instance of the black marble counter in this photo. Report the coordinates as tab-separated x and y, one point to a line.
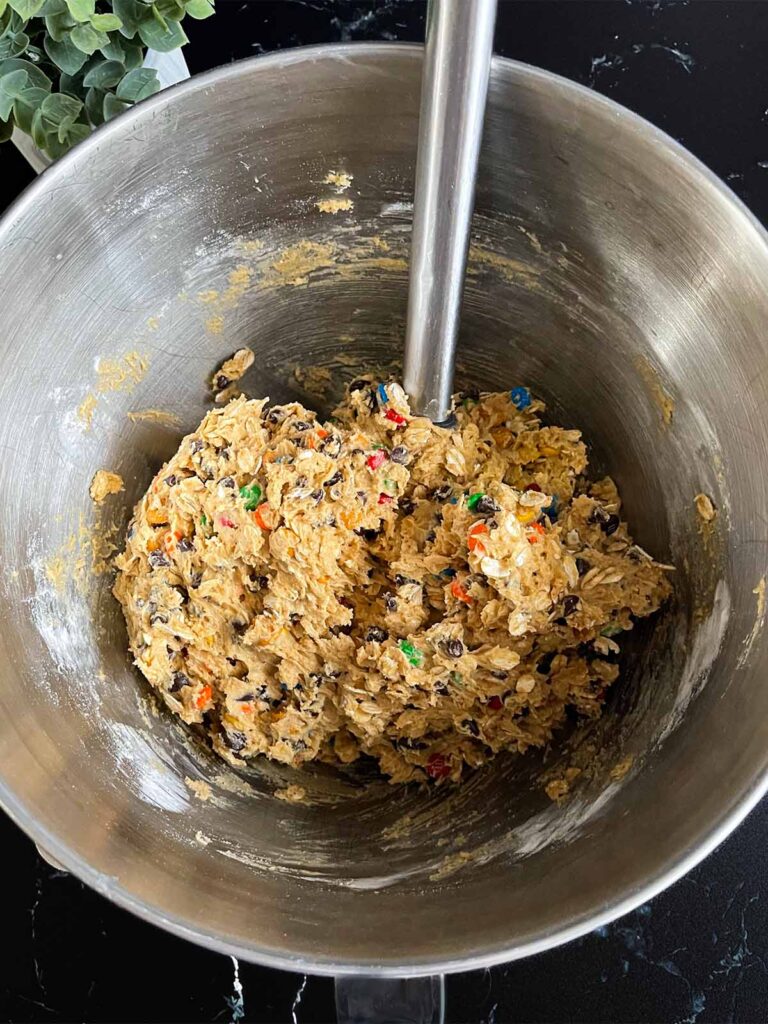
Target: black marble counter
697	953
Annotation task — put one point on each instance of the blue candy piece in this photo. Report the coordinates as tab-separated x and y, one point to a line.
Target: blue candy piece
520	397
551	510
450	573
381	391
453	501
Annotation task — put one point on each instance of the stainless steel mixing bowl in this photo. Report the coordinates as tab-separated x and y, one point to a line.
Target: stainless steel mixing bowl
611	272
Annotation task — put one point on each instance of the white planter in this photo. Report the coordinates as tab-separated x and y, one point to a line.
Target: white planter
171	68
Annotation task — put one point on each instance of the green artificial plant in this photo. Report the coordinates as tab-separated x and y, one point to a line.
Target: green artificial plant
66	66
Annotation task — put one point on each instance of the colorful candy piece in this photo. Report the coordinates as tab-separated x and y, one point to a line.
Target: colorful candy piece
520	397
460	593
381	393
376	460
395	417
551	510
385	499
474	543
263	516
413	655
438	767
473	499
251	495
495	703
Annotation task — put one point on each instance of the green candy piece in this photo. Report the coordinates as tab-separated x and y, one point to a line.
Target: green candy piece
251	493
473	499
413	654
203	520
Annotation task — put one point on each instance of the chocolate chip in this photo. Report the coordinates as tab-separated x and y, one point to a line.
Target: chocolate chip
335	479
399	454
221	381
302	425
157	617
430	536
227	481
185	545
498	674
196	445
359	385
369	535
487	506
276	415
401	580
471	726
598	515
453	648
473	394
171	480
611	525
544	664
442	493
178	679
406	506
407	743
195	580
390	602
295	618
236	741
570	604
158	560
238	627
442	689
339	630
582	566
376	634
317	496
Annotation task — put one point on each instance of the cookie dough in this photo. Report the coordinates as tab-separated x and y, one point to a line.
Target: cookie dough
376	585
103	484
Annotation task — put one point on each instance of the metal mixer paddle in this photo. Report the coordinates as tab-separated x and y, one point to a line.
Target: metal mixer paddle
454	88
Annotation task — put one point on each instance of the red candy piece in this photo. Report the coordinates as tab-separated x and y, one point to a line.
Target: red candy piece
227	522
377	459
496	703
533	487
438	767
384	499
395	417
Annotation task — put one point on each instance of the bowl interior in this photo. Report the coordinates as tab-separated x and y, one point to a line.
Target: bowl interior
608	271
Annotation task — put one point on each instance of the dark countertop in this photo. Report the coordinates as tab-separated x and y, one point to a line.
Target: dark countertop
697	953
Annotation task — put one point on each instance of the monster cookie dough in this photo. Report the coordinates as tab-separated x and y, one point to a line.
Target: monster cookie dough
377	585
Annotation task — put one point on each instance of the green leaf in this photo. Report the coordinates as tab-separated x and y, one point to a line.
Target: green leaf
94	106
199	9
70	84
6	129
106	22
88	39
25	106
105	76
153	35
114	48
39	136
65	55
138	85
173	10
57	108
11	86
36	76
26	8
59	25
130	12
158	16
3	5
134	56
13	44
81	10
53	7
113	106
